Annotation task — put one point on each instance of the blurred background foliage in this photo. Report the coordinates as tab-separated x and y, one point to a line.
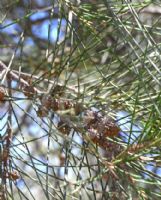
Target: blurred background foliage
70	71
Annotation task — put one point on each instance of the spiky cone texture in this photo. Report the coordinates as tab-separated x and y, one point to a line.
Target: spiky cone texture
100	129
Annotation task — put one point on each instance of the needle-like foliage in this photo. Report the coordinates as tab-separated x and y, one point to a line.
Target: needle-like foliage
80	104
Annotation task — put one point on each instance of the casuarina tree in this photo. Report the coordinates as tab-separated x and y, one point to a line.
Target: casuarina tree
80	105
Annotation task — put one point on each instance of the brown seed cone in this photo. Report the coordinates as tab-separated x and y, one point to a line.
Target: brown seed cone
29	91
63	127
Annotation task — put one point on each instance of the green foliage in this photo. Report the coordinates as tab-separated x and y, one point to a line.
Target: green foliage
107	57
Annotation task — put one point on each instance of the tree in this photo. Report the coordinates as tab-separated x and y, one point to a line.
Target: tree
80	99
